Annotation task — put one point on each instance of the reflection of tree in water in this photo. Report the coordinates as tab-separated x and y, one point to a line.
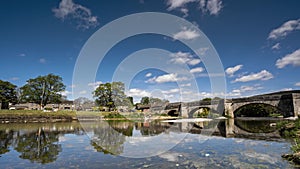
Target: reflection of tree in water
153	128
6	139
108	140
124	127
41	147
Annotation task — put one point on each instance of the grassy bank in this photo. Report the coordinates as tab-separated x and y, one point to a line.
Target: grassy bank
9	116
291	130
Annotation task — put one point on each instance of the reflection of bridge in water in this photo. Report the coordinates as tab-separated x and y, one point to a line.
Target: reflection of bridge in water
286	102
241	128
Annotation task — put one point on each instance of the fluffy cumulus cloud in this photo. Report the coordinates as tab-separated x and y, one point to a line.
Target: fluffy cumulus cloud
289	59
186	34
197	70
231	70
297	84
172	77
285	29
263	75
138	93
82	15
184	58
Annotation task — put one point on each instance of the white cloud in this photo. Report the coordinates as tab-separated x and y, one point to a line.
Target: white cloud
202	51
197	70
95	84
83	92
185	11
184	58
186	85
284	29
286	89
171	91
231	70
82	15
186	34
173	77
292	58
276	46
250	88
212	6
173	4
65	93
263	75
297	84
138	93
148	75
42	60
22	54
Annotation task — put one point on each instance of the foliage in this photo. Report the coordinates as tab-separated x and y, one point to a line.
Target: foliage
7	94
43	90
207	99
113	115
157	101
291	129
256	110
83	103
130	100
145	100
39	146
203	114
111	95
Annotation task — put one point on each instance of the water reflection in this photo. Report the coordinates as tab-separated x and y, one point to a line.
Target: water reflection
35	142
45	143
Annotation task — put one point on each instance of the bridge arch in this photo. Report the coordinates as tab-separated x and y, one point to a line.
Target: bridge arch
257	110
201	111
173	113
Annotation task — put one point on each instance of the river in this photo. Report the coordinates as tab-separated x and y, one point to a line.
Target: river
243	143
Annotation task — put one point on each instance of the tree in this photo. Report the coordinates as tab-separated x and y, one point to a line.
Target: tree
130	99
7	94
157	101
111	95
83	103
43	90
145	100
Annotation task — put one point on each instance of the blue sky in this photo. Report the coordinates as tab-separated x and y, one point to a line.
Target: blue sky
258	43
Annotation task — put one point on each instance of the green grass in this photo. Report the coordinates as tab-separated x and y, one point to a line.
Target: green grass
291	129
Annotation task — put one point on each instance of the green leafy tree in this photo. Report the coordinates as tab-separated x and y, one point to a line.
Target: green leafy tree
157	101
111	95
43	90
145	100
7	94
130	99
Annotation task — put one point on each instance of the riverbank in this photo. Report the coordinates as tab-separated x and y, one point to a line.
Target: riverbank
37	116
28	116
291	130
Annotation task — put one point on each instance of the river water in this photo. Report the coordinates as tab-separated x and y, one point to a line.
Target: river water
231	143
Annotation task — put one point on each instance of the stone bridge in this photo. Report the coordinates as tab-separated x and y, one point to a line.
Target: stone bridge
286	102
